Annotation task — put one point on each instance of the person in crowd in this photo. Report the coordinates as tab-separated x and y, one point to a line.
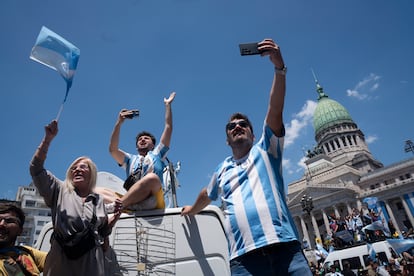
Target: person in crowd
347	271
394	266
262	236
333	271
370	267
379	269
350	226
358	224
145	169
80	221
15	259
407	256
342	236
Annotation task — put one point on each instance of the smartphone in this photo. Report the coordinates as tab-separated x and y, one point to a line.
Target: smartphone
249	49
135	113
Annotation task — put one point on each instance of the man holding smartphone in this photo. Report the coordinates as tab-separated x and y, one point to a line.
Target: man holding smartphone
146	190
262	236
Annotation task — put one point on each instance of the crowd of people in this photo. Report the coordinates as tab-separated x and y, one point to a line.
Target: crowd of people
402	265
365	225
361	227
262	236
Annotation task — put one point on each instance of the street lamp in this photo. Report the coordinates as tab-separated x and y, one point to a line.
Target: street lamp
409	146
307	203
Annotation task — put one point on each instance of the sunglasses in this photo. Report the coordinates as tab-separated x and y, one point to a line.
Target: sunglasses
10	220
232	125
82	167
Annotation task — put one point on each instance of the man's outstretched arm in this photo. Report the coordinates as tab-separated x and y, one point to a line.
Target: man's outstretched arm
274	116
166	134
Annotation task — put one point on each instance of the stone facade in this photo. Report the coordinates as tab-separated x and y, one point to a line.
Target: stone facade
341	172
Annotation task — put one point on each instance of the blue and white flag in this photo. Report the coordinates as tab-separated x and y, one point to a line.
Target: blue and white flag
371	252
322	250
401	245
377	225
57	53
371	202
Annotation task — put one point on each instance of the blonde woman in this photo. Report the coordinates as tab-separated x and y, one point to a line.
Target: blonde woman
79	218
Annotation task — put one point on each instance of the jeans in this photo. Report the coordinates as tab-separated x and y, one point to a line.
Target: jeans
278	259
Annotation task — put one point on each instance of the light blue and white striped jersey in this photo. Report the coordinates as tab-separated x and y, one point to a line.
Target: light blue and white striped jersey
152	162
253	197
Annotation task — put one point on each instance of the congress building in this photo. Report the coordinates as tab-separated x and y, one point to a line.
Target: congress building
341	173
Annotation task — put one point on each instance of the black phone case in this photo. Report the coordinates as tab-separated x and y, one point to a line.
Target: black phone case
249	49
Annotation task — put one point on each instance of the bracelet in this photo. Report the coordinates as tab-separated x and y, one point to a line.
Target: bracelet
281	71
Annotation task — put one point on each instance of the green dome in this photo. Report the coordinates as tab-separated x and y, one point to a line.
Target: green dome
328	113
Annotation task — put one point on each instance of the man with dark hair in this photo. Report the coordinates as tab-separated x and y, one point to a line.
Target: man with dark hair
145	133
347	269
14	259
145	169
262	236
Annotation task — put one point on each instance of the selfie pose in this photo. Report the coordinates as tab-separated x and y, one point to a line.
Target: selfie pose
144	170
262	236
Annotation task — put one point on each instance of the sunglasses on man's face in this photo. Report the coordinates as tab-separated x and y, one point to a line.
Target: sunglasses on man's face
10	220
232	125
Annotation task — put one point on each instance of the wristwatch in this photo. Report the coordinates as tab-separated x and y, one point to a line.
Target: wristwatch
281	71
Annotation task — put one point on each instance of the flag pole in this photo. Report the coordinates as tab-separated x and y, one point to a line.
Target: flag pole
68	85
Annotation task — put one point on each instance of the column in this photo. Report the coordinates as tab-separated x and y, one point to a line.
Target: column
349	208
326	221
315	228
326	148
407	210
304	230
392	217
337	215
359	204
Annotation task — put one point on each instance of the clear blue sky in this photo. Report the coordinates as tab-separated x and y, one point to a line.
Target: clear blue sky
135	52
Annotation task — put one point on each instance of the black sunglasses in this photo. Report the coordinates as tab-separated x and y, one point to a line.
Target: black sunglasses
10	220
232	125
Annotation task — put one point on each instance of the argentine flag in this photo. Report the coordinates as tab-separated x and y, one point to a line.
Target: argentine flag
371	203
58	54
371	252
322	250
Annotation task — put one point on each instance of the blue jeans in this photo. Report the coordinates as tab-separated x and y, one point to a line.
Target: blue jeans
278	259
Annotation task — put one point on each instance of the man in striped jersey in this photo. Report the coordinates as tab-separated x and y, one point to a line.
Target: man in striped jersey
146	167
262	236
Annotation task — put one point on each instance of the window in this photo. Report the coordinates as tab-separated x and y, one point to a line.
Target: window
355	262
382	257
30	203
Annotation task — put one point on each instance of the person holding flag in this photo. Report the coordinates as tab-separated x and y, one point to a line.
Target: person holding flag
80	221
